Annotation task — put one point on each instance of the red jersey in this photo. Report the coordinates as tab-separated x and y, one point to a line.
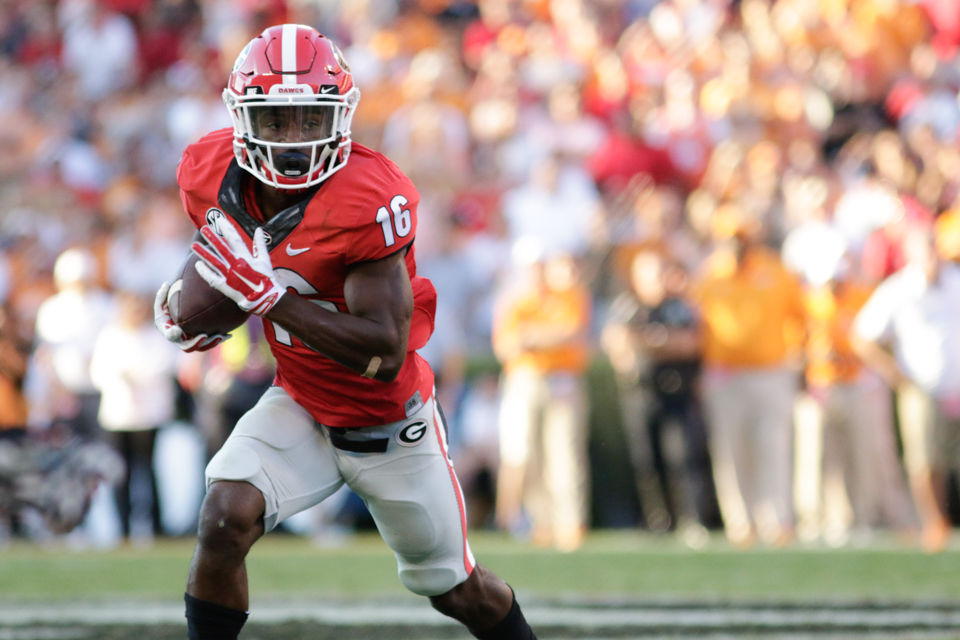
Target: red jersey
366	211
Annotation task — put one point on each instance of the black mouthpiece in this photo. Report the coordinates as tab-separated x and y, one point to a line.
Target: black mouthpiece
292	163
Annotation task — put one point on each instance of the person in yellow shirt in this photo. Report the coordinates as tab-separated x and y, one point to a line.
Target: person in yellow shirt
540	336
751	312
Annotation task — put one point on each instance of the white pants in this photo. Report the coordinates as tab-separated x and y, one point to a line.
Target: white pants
410	488
543	430
750	426
848	473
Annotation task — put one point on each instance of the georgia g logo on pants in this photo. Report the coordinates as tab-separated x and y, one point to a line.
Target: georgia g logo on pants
411	435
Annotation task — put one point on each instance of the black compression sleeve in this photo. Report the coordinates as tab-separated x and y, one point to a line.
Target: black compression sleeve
209	621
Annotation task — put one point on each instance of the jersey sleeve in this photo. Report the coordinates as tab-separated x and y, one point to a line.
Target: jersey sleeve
382	210
424	312
185	170
200	173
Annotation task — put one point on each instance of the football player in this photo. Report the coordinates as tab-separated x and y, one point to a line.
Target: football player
314	233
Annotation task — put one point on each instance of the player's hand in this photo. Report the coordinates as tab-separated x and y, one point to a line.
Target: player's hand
243	275
172	331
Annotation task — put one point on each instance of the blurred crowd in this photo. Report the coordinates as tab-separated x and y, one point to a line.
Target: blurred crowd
737	219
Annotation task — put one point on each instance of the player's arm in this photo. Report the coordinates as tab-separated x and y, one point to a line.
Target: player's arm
372	338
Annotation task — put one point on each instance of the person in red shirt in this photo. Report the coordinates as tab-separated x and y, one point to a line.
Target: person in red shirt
322	249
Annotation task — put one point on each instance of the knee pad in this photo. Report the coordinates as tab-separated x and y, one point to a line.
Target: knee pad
240	463
234	462
429	581
411	531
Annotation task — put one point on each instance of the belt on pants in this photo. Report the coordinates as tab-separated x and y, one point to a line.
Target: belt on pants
339	439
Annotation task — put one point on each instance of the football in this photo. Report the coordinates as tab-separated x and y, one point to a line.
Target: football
199	308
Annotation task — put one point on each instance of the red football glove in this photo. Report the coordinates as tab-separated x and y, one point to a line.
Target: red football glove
172	331
243	275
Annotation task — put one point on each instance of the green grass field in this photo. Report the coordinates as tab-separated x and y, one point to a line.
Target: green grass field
621	584
609	564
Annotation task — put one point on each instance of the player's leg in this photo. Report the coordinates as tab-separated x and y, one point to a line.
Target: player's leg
231	520
486	605
274	464
415	499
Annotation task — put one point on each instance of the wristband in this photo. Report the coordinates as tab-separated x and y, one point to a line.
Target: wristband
372	367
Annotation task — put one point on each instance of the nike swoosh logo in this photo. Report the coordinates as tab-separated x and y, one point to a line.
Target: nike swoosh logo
257	288
327	89
295	252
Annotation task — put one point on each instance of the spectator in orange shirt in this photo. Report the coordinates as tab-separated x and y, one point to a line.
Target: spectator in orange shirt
540	336
751	312
14	353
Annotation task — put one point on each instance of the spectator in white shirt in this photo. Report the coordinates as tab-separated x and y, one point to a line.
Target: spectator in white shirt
100	49
67	325
133	367
907	332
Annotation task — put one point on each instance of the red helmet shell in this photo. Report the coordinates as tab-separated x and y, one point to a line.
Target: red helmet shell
299	55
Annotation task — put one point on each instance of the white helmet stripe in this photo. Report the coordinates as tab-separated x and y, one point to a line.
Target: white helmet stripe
288	50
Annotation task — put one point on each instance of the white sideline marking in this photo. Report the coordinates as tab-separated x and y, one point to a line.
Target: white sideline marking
415	613
41	633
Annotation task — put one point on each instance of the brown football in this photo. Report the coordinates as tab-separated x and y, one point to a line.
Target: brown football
199	308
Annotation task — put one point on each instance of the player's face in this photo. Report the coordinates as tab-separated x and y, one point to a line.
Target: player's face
292	123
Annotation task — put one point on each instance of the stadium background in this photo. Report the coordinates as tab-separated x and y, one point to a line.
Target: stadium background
669	118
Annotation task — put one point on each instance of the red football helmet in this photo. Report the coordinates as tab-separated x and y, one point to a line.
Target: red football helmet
291	98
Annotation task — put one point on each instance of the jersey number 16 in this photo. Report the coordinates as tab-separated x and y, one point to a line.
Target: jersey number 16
399	224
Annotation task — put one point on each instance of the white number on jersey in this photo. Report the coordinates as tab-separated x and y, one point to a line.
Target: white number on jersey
401	223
